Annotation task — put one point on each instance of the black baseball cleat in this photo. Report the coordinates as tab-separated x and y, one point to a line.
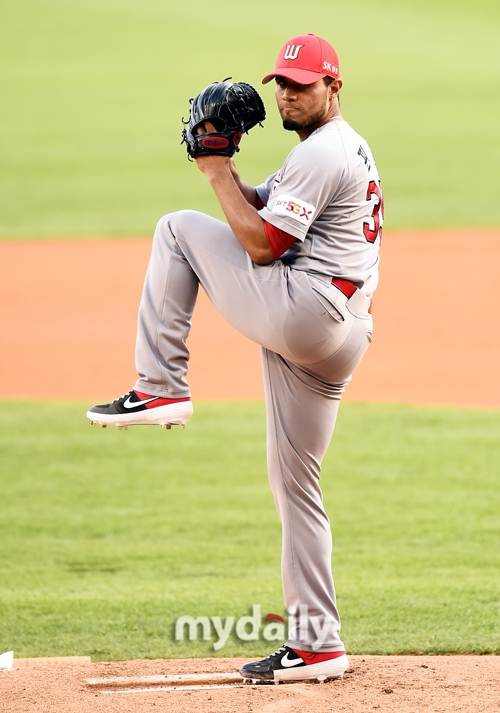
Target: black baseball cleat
287	664
138	409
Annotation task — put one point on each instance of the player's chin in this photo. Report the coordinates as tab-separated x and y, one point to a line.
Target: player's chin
291	125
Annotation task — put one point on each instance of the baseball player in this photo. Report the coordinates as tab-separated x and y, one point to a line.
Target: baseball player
294	270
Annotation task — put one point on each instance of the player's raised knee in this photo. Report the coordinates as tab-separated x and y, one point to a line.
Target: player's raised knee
177	220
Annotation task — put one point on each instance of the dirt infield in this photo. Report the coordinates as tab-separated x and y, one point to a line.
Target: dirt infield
389	684
68	314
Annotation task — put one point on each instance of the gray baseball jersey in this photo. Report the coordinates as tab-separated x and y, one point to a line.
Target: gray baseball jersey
328	196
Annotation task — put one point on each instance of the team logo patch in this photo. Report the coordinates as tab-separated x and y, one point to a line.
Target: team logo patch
214	143
292	51
294	208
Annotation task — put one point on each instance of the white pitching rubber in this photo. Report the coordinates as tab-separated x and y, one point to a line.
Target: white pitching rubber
6	661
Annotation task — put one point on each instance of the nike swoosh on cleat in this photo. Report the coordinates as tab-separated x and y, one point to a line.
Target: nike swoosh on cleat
288	664
133	404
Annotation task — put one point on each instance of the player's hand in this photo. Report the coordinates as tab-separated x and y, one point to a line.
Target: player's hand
212	166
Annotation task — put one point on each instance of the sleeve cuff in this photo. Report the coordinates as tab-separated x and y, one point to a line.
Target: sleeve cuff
278	222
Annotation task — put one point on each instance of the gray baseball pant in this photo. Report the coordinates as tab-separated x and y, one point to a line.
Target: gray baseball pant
312	338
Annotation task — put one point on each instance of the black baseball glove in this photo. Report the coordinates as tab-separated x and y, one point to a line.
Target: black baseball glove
232	109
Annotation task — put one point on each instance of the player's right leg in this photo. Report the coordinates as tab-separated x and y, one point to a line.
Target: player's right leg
270	304
161	396
188	248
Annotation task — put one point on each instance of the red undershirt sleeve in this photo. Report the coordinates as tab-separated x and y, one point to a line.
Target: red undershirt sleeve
259	202
278	239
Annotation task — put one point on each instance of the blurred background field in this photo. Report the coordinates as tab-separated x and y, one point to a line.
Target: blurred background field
108	536
93	94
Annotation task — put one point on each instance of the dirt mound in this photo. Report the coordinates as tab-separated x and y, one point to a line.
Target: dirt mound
399	684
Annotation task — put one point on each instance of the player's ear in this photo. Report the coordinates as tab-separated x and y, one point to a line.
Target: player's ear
335	87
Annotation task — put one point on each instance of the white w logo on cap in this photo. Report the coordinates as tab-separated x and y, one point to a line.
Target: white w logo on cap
292	51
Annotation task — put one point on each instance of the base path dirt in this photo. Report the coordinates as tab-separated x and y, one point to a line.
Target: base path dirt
386	684
69	308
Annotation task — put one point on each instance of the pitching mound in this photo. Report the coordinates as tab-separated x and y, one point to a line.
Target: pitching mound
403	684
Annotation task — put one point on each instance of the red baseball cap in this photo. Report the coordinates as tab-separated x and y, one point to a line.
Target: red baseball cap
305	59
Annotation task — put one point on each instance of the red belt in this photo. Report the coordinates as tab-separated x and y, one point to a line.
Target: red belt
347	288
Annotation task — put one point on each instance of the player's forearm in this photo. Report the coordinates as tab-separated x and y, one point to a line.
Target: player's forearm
248	191
242	217
244	220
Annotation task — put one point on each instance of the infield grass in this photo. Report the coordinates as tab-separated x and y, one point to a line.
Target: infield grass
107	536
93	94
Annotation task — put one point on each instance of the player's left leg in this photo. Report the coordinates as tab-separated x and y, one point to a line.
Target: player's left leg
302	401
301	413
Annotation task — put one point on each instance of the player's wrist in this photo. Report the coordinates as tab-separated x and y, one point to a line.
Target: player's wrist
214	167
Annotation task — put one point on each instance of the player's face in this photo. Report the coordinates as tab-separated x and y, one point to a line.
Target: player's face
306	107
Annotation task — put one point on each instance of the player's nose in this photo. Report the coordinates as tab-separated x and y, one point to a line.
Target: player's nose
288	94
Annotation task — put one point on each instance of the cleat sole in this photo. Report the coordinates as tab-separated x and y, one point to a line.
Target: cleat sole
332	668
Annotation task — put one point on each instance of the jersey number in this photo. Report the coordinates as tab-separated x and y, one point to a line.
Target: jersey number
372	233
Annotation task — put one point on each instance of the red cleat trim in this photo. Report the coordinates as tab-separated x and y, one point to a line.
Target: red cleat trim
309	657
159	401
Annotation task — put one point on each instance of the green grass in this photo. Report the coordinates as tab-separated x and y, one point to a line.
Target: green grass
92	96
107	536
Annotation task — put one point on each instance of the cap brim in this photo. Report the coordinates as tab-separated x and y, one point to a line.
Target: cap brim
301	76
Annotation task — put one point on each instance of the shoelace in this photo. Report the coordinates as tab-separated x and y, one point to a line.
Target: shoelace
278	651
129	393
